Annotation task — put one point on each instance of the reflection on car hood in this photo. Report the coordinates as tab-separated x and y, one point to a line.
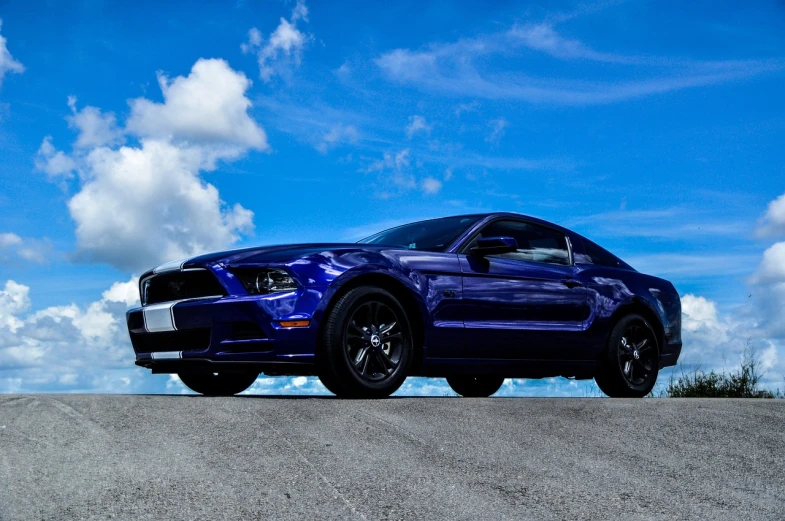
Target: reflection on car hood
274	254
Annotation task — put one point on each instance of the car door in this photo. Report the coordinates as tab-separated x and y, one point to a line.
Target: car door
525	304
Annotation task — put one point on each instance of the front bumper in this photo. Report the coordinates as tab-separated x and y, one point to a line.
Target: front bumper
670	354
231	332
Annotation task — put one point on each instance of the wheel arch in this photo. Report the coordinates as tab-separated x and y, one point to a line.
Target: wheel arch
408	298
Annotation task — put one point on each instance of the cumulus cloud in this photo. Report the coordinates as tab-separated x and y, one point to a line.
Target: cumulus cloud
768	284
14	299
95	128
140	205
718	341
7	62
283	48
56	164
773	221
417	124
207	108
12	246
67	347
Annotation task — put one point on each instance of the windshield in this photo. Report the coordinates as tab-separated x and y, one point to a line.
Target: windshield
432	235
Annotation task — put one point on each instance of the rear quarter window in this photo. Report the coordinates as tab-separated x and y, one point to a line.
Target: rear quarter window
594	254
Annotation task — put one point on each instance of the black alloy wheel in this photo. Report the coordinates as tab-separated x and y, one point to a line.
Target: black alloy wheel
219	384
631	361
366	346
374	341
475	386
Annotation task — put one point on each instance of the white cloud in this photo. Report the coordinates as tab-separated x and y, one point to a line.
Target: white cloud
456	69
769	290
717	341
283	48
141	206
14	299
417	124
498	127
7	62
54	163
95	129
66	347
300	12
138	206
773	222
32	250
431	185
543	37
207	108
9	239
337	135
396	175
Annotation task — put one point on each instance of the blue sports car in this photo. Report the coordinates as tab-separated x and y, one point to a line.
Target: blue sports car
473	298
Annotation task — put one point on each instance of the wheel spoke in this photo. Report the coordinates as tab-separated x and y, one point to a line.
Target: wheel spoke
641	365
387	328
366	359
357	330
387	363
393	336
362	355
625	344
628	367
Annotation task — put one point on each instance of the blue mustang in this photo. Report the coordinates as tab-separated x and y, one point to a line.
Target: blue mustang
473	298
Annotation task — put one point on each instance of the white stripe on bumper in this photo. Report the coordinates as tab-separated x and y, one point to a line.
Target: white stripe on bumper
167	355
159	317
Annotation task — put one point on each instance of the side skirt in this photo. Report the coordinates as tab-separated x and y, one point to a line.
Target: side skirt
509	368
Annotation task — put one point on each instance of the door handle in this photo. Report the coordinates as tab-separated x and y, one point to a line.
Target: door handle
571	283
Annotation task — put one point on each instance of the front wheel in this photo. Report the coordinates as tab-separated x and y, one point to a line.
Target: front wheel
631	361
366	346
218	384
475	386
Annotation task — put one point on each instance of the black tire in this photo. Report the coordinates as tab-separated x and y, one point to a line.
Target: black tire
630	364
219	384
475	386
366	346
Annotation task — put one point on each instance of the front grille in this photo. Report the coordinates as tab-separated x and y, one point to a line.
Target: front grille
180	285
183	340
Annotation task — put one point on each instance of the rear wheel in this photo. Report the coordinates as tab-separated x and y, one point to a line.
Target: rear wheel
631	361
219	384
366	346
475	386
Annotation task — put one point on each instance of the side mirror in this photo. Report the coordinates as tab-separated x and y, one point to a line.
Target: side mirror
494	245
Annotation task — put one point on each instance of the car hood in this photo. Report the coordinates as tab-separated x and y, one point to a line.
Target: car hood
273	254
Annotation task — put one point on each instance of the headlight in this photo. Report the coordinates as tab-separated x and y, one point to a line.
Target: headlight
264	281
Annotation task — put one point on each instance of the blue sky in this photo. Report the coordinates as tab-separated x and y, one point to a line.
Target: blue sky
655	128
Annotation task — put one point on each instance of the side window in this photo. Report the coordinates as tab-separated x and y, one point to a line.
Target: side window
597	255
535	243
